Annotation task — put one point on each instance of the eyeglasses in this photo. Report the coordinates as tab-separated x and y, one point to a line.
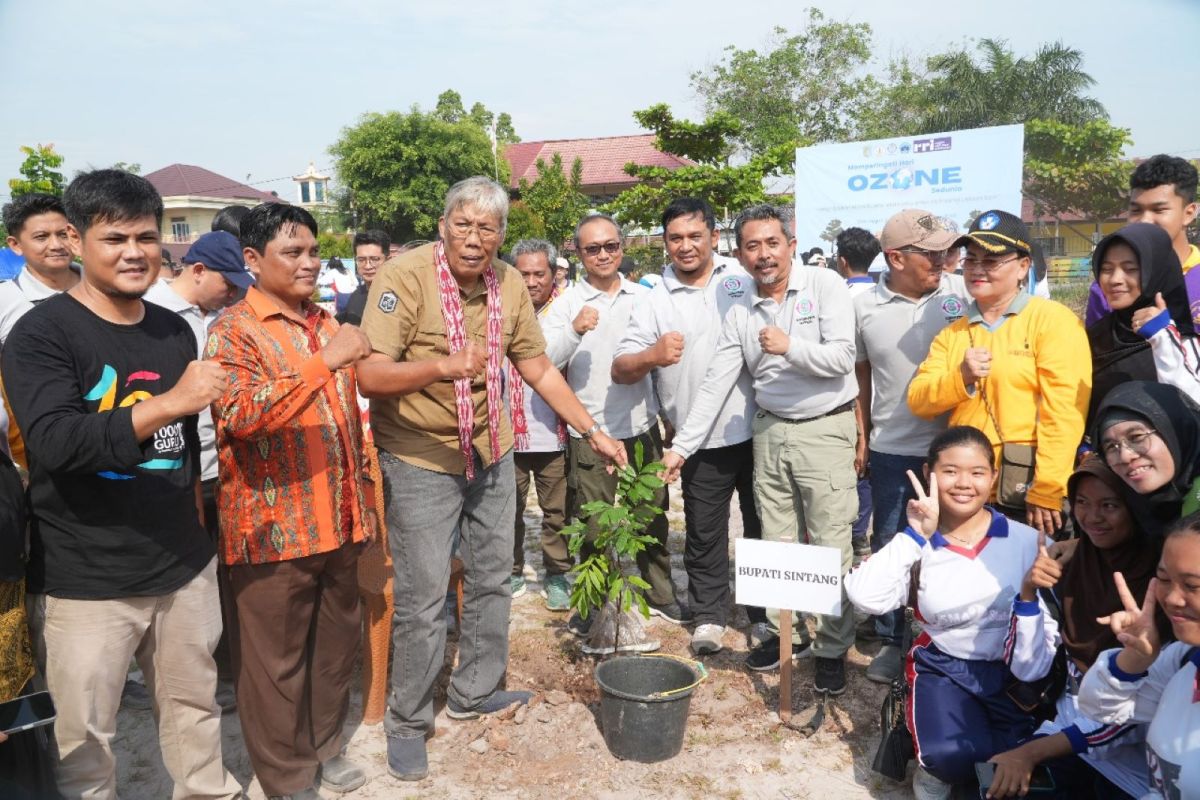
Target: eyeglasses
463	230
936	257
988	265
373	260
612	248
1137	443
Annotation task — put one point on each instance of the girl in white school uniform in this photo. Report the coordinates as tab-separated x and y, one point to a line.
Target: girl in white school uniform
983	621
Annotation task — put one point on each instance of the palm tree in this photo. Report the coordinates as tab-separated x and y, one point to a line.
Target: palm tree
1001	89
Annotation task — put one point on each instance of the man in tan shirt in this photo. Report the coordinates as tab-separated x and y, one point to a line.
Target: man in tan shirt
441	319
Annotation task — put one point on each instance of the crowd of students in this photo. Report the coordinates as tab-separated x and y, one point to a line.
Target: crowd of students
218	453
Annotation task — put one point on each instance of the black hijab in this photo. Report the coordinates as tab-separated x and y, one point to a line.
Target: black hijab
1118	353
1177	419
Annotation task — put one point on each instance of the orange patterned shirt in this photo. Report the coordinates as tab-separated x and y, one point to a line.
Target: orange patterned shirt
290	448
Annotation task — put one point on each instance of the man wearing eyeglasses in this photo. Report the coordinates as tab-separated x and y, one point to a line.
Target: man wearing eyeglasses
895	322
370	251
583	329
441	319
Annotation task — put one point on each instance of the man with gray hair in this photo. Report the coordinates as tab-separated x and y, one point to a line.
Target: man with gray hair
441	318
540	439
583	329
794	331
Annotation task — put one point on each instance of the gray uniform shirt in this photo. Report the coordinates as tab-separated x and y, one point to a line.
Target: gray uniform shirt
815	375
894	334
622	411
698	313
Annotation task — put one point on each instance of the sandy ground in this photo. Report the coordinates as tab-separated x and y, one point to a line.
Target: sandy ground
734	746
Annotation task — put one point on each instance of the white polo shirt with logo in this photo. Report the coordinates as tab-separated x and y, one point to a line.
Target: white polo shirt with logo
698	313
894	333
814	377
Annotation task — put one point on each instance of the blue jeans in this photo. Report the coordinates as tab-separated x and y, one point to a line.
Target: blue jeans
858	531
890	492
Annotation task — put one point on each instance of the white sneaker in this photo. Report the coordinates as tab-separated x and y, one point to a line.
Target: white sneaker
927	787
706	639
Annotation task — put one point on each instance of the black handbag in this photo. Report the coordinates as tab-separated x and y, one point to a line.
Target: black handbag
1039	698
896	746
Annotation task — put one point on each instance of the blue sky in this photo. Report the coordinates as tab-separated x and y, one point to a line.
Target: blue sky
261	87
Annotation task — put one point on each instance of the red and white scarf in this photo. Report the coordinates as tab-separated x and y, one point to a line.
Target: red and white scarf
516	395
456	338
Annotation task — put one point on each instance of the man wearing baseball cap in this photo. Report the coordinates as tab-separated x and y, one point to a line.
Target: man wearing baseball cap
214	276
895	322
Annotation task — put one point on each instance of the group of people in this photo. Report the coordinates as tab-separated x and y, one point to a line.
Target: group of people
221	446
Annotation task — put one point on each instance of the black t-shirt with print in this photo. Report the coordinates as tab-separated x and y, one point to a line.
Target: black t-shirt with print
111	516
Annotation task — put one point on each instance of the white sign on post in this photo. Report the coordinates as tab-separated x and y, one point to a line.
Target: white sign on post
799	577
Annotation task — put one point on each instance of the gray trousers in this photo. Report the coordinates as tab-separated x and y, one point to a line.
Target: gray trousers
423	510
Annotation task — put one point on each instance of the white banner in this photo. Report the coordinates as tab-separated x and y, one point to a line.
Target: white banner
800	577
954	175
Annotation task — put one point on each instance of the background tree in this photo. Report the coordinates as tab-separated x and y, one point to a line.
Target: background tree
132	167
39	172
832	231
1076	168
335	245
449	107
1000	88
806	87
397	167
523	223
555	198
726	186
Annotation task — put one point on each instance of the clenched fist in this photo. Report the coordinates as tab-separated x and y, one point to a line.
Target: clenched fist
773	340
669	349
466	363
587	319
977	364
201	383
347	345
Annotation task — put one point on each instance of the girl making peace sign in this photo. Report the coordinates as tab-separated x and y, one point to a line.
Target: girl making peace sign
973	573
1147	682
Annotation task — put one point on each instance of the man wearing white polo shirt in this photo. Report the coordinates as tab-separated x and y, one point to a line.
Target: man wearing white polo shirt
795	333
673	337
582	331
894	326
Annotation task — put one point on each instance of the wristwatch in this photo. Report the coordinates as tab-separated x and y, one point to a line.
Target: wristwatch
590	432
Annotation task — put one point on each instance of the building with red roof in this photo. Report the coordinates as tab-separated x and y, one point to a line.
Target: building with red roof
603	158
192	196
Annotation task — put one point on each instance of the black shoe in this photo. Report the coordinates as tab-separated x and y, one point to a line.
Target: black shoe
579	626
672	612
830	675
765	657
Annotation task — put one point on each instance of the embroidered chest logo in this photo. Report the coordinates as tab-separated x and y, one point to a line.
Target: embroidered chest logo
387	302
733	287
806	311
952	308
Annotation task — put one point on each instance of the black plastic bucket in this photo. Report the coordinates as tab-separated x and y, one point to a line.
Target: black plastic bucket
644	704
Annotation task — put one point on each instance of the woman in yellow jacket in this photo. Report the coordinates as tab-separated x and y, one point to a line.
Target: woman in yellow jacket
1016	361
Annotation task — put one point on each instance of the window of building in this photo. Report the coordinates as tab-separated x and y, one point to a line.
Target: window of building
320	191
304	192
180	230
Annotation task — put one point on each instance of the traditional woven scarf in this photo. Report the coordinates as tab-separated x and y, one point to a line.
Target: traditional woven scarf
456	338
516	395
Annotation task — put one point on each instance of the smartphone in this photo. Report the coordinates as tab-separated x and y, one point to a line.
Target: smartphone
23	713
1040	781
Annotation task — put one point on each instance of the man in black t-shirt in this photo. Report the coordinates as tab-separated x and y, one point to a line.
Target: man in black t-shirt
106	389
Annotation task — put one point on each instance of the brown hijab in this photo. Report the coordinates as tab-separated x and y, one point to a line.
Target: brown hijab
1087	590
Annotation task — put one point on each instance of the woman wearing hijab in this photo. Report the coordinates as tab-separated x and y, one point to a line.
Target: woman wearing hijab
1148	336
1089	758
1149	435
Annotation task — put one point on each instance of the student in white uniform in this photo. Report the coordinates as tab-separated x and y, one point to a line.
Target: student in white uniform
983	620
1145	681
